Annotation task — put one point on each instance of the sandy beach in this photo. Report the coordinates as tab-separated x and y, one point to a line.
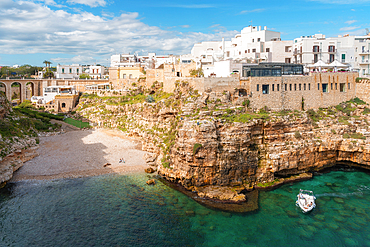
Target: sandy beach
79	153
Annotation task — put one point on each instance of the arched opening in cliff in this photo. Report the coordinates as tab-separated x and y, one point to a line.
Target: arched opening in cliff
344	166
340	165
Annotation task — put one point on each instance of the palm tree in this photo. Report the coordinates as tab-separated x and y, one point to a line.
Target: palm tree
47	63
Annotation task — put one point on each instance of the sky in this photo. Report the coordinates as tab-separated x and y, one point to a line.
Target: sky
90	31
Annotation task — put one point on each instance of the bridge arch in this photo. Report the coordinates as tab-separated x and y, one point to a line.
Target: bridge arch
16	96
30	90
3	88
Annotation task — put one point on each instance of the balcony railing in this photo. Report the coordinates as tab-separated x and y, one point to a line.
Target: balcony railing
364	52
364	61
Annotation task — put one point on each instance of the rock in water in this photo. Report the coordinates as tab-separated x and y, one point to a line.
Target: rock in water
149	170
150	182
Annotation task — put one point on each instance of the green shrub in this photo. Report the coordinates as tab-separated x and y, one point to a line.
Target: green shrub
297	135
196	148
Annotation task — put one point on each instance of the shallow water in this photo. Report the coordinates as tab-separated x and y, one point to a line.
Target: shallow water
123	211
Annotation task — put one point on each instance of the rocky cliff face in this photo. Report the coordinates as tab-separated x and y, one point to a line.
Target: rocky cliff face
213	141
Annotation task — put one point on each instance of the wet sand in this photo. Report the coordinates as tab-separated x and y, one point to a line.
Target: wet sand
79	153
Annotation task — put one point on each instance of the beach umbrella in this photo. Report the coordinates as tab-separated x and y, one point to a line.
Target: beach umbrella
337	64
319	64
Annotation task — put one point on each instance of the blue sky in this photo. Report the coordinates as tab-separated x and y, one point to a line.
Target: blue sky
90	31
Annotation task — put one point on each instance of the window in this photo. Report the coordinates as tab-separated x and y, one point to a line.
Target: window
63	105
253	50
331	48
342	87
70	70
318	86
277	87
124	76
304	86
258	40
258	87
343	58
286	87
315	48
273	87
287	48
130	76
265	89
331	58
240	52
252	40
245	51
78	71
267	49
336	84
249	50
324	87
300	87
295	87
290	87
62	70
349	86
315	58
331	86
309	86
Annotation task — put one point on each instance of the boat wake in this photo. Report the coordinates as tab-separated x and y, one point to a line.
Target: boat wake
362	190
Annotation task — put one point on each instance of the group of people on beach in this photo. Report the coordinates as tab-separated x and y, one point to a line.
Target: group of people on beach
121	160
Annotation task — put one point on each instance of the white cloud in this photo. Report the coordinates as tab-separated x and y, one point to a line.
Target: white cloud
348	28
29	28
350	22
251	11
80	59
185	26
91	3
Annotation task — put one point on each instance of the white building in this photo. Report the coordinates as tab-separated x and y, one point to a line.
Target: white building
51	91
353	51
96	72
68	71
253	44
150	61
222	69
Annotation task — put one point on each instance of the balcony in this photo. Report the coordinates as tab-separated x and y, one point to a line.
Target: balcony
367	61
332	50
364	52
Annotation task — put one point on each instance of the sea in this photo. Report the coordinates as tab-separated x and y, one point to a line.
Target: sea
122	210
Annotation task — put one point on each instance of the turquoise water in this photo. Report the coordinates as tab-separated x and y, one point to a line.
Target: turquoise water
123	211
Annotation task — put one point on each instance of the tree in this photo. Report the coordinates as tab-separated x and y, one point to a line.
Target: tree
196	72
84	76
47	63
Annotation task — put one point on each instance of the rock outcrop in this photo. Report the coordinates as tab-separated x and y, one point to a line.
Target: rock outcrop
212	144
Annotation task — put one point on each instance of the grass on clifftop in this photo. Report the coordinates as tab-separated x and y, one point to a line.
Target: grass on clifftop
77	123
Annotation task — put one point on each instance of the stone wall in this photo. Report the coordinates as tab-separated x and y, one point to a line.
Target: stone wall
363	90
291	92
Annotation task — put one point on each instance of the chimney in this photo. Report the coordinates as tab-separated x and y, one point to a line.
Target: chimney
265	28
259	28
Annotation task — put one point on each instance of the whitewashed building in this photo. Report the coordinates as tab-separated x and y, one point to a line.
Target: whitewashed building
253	44
353	51
68	71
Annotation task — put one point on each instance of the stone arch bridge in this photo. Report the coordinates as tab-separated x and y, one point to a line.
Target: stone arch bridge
35	86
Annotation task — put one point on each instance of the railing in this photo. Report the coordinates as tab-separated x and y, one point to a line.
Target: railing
364	52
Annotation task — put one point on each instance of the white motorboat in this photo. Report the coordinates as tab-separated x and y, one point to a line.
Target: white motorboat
306	200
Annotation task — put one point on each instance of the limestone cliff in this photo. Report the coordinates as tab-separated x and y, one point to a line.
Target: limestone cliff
212	141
